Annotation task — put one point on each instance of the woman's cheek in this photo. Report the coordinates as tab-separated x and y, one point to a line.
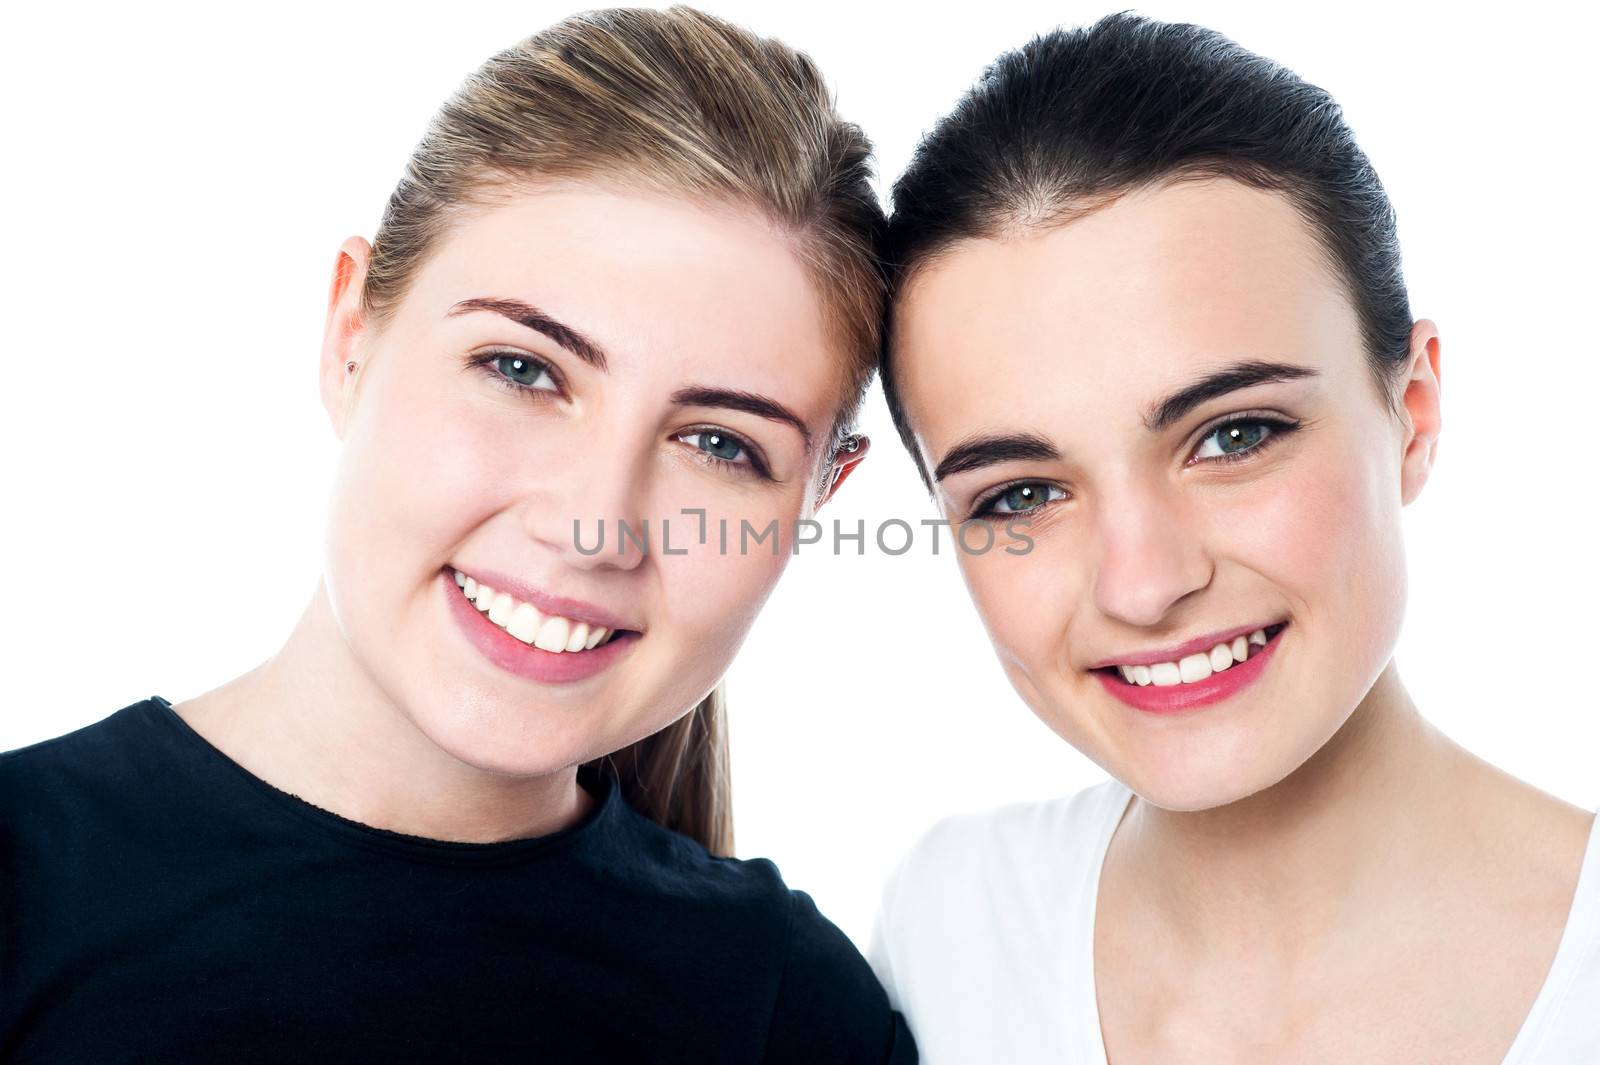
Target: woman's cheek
1318	537
1025	601
716	589
706	604
417	474
427	470
1291	528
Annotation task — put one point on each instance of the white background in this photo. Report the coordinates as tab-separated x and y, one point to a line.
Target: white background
176	181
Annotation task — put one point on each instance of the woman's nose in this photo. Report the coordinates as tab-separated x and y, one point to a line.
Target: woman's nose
590	507
1150	556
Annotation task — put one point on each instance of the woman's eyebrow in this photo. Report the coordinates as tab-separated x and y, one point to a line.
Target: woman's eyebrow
749	402
976	452
1228	379
530	317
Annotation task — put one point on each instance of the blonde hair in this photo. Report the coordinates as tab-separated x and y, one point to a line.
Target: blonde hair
683	103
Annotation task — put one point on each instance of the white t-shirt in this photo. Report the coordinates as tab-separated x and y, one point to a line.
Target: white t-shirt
985	940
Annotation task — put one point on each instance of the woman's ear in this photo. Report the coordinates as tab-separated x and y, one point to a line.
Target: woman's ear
343	330
1422	406
844	461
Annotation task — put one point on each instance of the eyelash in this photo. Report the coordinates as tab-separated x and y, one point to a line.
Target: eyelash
487	363
1278	428
982	509
757	464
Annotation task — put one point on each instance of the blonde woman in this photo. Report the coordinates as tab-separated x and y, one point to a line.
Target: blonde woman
475	808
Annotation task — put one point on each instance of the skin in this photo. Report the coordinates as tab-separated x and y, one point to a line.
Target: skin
377	707
1308	870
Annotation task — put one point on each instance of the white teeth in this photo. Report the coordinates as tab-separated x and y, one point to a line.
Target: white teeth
1194	667
579	637
526	623
1165	674
500	610
1198	666
553	634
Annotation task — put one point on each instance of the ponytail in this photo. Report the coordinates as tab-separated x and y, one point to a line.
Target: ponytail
679	776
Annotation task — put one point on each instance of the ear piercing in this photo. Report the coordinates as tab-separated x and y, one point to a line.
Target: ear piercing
850	443
350	367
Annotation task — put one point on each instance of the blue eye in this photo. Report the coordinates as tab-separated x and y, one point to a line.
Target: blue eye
723	448
718	444
1020	498
1235	439
524	372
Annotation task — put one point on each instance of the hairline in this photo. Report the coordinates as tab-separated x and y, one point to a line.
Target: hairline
1005	225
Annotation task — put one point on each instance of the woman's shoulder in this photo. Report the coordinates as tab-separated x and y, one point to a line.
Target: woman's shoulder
978	924
826	1004
1564	1024
980	883
830	1005
1521	853
1014	841
65	802
676	873
647	857
72	763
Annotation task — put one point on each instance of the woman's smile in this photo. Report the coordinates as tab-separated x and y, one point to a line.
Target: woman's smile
1196	674
552	625
518	637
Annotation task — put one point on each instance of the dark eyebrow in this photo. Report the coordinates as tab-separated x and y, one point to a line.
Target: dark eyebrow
531	317
1228	379
977	452
749	402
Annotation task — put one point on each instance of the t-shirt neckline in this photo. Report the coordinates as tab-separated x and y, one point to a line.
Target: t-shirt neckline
1578	936
1581	931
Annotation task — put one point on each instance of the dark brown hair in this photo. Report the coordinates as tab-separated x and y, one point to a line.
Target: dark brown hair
1075	118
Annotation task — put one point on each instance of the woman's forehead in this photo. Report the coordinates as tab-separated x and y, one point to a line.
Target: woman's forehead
1117	306
652	278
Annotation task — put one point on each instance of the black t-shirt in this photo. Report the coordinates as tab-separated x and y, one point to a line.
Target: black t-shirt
159	903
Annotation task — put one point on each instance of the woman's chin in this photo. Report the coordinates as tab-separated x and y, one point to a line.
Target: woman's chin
1198	780
519	745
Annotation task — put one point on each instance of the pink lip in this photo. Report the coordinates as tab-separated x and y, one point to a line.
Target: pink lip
1173	698
514	656
1182	650
575	609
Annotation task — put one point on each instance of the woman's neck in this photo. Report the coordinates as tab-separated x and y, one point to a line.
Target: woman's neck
1294	865
311	721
